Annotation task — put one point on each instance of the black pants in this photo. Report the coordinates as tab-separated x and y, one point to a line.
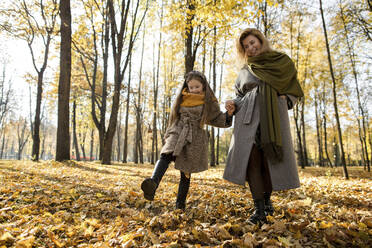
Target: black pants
184	183
258	174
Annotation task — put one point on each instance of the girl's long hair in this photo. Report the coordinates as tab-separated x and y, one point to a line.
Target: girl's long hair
208	99
265	45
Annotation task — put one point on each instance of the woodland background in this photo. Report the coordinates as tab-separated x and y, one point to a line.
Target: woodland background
95	81
100	87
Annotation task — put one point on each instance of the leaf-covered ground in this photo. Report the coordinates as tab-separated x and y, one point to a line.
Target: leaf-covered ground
81	204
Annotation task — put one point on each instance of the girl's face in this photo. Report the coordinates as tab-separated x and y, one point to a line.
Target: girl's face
252	45
195	86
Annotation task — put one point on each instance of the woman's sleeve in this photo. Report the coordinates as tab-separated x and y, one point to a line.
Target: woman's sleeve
217	118
291	101
238	94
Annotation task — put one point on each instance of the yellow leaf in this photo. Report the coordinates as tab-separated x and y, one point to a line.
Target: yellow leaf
270	218
93	222
47	214
284	241
26	242
6	237
324	225
297	235
99	195
89	231
367	221
55	240
362	225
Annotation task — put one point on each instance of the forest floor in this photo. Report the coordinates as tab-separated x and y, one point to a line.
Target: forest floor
86	204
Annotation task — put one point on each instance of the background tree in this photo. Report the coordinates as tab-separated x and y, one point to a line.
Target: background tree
63	134
118	30
35	22
334	92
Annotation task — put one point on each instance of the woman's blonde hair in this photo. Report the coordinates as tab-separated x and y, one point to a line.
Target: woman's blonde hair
208	98
265	45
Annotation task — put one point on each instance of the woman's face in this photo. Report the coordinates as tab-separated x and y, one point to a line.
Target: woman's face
195	86
252	46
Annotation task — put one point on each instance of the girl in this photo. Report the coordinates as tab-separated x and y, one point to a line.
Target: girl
186	141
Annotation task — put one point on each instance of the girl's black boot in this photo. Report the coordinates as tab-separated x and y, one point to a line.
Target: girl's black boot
269	209
149	185
183	189
259	212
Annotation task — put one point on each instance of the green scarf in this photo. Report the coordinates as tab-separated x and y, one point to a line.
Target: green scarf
280	76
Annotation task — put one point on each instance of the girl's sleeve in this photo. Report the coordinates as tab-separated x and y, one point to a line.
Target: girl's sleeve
217	118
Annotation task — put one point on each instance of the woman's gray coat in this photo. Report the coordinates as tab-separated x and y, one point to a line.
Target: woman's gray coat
284	175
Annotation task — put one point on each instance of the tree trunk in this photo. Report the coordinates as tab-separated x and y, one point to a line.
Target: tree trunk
117	41
91	145
75	140
325	130
100	122
22	140
118	137
36	134
2	144
46	37
334	94
303	128
82	145
318	132
138	147
42	154
156	90
370	143
190	55
214	79
299	138
361	118
63	134
125	153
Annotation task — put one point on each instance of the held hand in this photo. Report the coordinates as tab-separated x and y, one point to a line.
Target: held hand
230	107
229	104
231	110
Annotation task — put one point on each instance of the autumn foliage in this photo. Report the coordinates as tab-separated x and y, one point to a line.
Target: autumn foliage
76	204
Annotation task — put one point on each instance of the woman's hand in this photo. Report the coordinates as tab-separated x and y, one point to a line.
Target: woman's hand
230	107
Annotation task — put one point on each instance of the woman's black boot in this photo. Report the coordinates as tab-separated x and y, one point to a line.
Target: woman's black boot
259	212
149	185
183	189
269	209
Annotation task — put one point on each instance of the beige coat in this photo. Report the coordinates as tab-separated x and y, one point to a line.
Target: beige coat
186	140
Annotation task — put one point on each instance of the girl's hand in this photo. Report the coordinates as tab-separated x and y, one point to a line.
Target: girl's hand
230	107
231	110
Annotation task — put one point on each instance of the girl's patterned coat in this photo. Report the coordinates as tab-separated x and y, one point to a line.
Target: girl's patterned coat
186	140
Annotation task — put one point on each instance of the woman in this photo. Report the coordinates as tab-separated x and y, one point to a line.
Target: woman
261	150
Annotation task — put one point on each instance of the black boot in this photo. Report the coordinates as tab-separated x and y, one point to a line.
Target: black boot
183	189
149	185
259	212
269	209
